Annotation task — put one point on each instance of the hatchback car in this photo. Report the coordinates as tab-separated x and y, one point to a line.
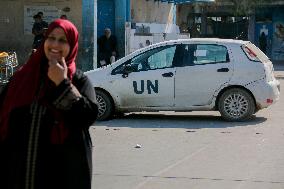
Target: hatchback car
233	77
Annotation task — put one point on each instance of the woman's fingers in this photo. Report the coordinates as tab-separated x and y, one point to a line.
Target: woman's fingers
57	70
63	63
52	62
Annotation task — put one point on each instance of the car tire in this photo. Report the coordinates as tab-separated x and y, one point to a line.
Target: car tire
236	105
105	106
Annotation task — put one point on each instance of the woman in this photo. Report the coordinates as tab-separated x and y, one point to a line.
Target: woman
45	113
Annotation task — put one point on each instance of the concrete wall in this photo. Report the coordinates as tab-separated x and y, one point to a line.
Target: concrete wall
151	11
12	35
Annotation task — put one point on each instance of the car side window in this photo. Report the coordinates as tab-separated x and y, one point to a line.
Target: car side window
187	55
210	54
161	57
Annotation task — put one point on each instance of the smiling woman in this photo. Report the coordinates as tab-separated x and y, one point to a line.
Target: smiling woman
56	47
45	113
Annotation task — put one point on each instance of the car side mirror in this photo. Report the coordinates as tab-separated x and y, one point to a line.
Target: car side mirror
128	69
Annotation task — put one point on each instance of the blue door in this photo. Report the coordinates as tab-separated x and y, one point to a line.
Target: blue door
106	14
87	35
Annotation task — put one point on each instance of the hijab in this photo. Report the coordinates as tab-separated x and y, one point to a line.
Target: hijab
25	83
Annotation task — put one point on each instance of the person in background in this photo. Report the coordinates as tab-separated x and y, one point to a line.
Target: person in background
107	51
44	23
45	112
40	14
263	42
148	42
64	16
39	29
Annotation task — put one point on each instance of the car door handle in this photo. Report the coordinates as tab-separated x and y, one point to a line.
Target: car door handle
169	74
223	70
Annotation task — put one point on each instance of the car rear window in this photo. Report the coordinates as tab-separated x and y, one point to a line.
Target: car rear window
254	53
208	54
198	54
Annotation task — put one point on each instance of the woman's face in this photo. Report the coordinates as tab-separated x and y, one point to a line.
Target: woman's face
56	45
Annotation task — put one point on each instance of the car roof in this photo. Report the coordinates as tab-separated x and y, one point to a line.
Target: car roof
213	40
190	40
195	40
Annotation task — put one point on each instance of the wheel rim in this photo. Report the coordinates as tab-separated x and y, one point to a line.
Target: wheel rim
236	105
101	105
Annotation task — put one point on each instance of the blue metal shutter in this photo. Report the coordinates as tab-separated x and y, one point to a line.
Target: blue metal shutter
106	14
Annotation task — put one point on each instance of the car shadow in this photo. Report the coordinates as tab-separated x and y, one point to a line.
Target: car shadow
176	121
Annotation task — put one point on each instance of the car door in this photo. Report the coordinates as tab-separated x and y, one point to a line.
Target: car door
206	67
149	81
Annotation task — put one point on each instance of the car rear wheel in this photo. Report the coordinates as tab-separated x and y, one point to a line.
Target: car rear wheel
105	105
236	105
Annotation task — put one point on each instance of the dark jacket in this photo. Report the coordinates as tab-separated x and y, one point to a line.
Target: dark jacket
106	47
38	31
29	158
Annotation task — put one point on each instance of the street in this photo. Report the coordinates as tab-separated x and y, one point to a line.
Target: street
58	57
193	150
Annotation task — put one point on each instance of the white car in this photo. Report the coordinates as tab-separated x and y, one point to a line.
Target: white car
233	77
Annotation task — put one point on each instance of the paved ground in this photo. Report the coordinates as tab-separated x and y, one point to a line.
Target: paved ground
190	150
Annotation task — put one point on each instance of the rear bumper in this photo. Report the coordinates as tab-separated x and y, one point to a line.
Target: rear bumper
265	93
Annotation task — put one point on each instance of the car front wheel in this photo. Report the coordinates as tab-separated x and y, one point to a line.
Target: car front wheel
105	105
236	105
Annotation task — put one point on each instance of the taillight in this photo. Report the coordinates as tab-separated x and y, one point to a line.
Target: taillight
252	55
269	101
250	52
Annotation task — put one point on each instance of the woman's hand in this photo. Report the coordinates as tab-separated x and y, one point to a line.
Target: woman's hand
57	70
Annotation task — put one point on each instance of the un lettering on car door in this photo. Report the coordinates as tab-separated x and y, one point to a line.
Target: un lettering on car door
152	91
146	86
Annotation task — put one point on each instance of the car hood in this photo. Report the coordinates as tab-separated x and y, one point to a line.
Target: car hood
97	76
